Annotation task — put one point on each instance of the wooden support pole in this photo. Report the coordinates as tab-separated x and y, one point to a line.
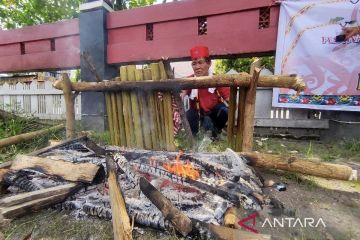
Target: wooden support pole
128	120
231	116
139	140
69	106
28	136
152	113
221	80
249	112
120	218
292	164
240	119
144	112
159	108
168	116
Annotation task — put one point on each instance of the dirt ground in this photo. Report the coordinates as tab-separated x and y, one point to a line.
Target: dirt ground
336	202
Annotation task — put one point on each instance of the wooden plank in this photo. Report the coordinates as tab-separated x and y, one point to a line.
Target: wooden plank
31	196
82	172
31	206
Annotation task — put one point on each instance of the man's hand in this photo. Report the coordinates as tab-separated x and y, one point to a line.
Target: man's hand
351	31
183	93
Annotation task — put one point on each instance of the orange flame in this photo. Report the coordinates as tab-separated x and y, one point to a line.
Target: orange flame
182	170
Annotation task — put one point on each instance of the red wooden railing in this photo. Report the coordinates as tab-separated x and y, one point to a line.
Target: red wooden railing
46	46
232	27
228	27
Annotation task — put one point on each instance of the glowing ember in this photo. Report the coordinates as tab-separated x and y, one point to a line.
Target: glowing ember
183	170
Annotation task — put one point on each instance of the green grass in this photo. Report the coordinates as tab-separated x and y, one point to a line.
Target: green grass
15	126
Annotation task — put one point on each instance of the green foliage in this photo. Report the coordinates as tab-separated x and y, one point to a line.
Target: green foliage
242	64
20	13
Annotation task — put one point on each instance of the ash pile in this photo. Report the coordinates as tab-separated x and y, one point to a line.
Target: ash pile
73	176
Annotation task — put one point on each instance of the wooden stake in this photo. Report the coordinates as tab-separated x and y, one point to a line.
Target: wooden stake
120	218
249	114
69	107
144	112
231	116
128	120
139	139
152	113
29	136
240	120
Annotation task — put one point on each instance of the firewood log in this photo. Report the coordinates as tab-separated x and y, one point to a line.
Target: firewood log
120	218
82	172
36	200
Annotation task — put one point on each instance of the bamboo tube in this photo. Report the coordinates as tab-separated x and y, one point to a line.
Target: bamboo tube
240	119
231	116
249	113
152	113
109	116
128	121
115	120
27	136
144	112
139	140
168	116
179	105
221	80
69	106
119	105
159	109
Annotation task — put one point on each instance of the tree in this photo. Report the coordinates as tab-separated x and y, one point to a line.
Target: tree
242	64
20	13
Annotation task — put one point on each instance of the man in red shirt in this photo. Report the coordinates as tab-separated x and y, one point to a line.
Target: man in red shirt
206	105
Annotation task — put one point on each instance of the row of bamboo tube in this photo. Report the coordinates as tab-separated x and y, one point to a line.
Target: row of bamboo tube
141	119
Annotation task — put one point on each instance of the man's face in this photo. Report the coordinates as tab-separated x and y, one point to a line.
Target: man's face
200	67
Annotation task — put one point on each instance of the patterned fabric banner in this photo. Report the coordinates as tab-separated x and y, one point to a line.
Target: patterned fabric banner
306	46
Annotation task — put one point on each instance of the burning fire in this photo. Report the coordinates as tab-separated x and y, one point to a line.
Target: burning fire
182	170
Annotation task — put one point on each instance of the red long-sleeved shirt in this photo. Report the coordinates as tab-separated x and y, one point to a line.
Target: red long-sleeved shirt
208	100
